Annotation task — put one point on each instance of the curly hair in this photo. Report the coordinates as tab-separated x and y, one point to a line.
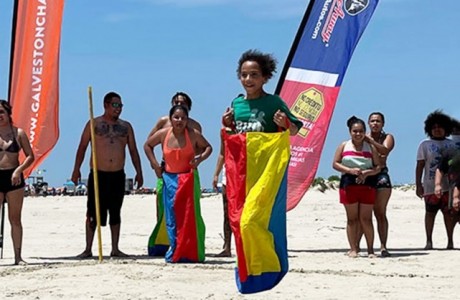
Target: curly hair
455	125
438	118
267	62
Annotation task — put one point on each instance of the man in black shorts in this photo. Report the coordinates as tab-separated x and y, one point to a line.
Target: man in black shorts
112	136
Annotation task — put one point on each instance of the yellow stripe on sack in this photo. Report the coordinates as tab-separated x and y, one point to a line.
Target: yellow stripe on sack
267	159
162	237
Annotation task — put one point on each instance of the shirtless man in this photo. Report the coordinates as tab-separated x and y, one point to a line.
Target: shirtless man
112	136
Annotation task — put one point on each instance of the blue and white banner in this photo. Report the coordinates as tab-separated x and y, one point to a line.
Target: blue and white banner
312	77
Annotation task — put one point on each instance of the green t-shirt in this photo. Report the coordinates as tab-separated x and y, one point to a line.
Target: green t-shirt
257	114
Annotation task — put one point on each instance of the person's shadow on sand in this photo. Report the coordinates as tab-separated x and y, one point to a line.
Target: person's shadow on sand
56	259
395	252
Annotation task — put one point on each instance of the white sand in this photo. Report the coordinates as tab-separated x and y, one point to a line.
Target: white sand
54	234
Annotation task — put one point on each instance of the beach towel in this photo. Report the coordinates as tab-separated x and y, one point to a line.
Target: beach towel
184	224
256	165
158	242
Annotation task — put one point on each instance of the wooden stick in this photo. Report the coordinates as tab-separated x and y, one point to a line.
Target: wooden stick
95	177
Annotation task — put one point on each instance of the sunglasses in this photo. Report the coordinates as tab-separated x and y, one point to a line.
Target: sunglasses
116	105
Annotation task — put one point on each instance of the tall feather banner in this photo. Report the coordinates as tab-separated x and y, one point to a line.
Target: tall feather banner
34	77
312	76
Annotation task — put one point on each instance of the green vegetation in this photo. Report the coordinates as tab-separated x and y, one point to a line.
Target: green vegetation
333	178
323	185
318	181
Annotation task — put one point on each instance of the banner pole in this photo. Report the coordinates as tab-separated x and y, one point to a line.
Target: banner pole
13	41
2	228
295	43
95	177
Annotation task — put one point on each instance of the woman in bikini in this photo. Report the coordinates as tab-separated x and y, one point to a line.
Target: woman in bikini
181	146
383	142
12	141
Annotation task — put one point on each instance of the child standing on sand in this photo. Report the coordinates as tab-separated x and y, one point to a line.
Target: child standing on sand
438	126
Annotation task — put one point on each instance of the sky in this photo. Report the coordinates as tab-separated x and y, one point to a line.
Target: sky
406	65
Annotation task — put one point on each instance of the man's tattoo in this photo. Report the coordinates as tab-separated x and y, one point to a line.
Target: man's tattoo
111	132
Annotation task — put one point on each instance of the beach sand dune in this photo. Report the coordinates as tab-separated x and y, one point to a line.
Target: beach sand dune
319	269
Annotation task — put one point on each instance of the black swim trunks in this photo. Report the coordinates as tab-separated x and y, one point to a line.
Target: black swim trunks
5	181
111	194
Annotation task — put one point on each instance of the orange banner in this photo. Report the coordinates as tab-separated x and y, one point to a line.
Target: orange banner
35	74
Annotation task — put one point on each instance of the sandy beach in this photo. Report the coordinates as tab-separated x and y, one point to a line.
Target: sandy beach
319	269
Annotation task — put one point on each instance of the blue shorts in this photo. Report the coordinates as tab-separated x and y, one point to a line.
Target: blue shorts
383	179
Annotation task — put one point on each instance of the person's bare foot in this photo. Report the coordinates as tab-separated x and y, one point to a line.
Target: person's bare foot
352	254
429	246
385	253
118	253
224	253
20	262
85	254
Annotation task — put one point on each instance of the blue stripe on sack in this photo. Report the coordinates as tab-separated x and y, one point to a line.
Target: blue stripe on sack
169	197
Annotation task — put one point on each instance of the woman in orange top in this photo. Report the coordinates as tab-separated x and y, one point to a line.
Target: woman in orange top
179	144
181	187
